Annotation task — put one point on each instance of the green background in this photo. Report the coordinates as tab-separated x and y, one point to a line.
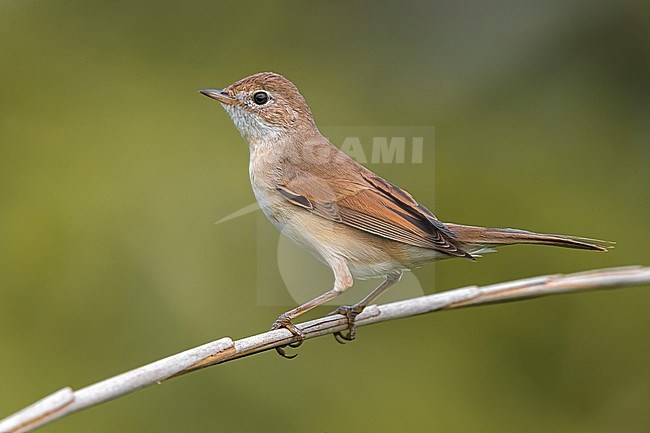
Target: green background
113	170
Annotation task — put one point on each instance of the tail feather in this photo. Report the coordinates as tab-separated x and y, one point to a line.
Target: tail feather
487	237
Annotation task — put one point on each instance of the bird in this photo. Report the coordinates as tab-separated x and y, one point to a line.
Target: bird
350	218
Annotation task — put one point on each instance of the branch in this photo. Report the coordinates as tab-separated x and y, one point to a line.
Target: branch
67	401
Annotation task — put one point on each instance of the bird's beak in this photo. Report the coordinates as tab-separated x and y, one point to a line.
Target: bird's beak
219	95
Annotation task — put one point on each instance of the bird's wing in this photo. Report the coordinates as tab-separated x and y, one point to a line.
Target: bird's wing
367	202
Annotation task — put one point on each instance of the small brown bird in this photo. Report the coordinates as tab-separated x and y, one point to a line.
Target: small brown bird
351	219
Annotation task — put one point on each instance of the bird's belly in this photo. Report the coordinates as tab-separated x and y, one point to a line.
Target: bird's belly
366	255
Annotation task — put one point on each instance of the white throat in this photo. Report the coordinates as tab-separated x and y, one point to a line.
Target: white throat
253	128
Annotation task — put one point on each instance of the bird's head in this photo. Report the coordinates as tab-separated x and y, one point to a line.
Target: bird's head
264	107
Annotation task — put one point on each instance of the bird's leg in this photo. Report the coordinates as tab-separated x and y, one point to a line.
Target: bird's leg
351	312
342	282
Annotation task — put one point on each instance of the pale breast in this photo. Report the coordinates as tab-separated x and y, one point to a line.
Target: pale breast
367	255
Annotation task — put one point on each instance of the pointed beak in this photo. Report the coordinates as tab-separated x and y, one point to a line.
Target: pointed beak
219	95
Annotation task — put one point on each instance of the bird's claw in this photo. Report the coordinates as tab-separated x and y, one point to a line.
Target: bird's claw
350	313
284	321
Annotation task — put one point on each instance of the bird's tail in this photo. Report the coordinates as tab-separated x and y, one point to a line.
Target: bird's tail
486	237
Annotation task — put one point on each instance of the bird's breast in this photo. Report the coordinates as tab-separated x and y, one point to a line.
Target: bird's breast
264	181
366	254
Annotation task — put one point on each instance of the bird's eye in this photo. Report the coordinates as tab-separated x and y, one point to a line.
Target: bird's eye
260	98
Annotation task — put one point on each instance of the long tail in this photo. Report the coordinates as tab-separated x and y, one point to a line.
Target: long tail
486	237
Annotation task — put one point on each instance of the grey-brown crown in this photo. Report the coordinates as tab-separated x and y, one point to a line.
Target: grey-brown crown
285	107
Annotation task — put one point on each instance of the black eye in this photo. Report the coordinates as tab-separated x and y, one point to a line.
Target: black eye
261	98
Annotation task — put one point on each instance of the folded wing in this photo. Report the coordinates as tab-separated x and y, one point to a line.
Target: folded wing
369	203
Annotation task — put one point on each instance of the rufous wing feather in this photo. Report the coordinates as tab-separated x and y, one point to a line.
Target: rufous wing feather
369	203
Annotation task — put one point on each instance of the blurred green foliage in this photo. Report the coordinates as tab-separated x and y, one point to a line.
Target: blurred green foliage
113	170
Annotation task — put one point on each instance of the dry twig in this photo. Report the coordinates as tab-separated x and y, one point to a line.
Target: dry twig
67	401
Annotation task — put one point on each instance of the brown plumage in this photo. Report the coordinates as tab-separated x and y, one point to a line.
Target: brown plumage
347	216
365	201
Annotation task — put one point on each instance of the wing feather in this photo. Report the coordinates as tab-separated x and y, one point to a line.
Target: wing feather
369	203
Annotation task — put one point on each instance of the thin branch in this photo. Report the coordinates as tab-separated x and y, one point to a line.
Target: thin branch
66	401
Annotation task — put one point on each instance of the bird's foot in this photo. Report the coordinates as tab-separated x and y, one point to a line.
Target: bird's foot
284	321
350	313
